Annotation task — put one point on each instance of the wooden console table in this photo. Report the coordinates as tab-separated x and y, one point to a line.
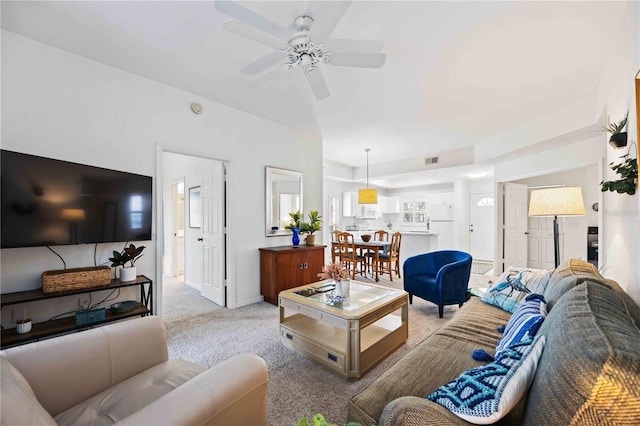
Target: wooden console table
63	325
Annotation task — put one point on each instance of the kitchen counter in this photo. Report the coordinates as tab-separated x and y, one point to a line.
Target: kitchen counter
417	242
418	233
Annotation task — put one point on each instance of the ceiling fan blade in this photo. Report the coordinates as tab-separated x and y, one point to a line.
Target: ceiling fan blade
362	60
271	74
249	17
267	61
330	13
318	85
348	45
244	30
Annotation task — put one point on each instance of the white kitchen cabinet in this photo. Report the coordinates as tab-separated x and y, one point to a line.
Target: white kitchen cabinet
349	204
389	204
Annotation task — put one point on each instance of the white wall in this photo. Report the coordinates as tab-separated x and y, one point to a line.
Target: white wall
584	177
622	211
60	105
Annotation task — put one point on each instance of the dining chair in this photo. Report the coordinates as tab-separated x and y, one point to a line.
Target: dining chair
380	235
348	255
335	252
390	261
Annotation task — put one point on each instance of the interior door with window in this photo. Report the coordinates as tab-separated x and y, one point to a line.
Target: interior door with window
482	226
213	234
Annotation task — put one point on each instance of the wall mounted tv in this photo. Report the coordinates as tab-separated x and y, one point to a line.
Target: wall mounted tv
47	202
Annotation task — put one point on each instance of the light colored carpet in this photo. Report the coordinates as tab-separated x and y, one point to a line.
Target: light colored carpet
205	334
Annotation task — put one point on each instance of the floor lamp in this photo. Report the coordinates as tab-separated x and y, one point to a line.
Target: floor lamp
562	201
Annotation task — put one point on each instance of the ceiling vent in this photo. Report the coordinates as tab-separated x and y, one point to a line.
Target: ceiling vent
431	160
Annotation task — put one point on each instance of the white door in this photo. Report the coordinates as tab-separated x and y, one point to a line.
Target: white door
540	253
213	238
177	258
482	209
514	245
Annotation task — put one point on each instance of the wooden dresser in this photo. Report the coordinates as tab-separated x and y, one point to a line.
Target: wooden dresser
285	267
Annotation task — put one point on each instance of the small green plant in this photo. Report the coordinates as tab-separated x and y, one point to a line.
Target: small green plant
628	171
313	225
319	420
295	220
128	254
616	127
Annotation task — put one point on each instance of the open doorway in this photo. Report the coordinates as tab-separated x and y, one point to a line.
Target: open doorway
194	224
177	240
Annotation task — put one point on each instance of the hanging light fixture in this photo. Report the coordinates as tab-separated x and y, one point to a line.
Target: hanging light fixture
368	196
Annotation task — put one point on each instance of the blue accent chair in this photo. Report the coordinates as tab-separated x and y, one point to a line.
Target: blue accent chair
441	277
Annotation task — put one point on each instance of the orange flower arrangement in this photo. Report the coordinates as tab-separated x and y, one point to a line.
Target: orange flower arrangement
334	271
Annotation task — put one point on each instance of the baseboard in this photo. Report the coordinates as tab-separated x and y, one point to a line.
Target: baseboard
193	285
250	301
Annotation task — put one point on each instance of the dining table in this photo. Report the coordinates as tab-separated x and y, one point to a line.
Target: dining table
372	245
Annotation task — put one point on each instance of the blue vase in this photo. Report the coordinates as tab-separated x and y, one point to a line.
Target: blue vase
296	237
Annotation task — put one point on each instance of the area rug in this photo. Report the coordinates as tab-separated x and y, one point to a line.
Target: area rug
205	334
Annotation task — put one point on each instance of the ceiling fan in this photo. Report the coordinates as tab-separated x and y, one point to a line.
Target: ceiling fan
304	45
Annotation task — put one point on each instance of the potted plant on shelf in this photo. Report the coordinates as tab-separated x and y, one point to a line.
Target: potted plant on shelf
618	137
310	227
128	256
294	225
628	171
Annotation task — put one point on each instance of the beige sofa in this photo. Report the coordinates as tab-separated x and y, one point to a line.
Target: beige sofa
120	374
588	374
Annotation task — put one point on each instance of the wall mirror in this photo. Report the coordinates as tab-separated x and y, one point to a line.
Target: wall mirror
283	195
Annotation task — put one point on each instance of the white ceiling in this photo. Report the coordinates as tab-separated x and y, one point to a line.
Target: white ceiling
458	75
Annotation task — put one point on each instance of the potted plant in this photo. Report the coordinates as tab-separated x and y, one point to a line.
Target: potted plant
310	227
628	171
319	420
618	137
128	256
294	225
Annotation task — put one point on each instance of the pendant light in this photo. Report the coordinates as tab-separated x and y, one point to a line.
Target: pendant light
368	196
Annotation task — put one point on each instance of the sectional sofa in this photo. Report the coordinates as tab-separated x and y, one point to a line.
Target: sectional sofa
588	373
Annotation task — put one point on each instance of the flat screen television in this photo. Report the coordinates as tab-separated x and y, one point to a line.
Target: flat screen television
47	202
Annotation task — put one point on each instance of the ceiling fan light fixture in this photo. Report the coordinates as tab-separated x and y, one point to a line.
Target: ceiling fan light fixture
368	195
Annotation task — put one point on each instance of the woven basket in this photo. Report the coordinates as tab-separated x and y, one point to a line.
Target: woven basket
75	279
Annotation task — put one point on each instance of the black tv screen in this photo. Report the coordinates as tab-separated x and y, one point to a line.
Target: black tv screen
47	202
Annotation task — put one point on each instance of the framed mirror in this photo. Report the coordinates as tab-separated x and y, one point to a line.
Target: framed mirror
283	195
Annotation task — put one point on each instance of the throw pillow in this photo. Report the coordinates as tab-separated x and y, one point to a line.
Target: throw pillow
525	322
513	285
483	395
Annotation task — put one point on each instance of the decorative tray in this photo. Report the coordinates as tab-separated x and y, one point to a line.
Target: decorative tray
121	307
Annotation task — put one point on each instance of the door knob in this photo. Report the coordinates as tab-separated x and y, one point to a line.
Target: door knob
200	239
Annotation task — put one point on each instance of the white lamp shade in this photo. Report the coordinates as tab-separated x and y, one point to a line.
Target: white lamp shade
368	196
563	201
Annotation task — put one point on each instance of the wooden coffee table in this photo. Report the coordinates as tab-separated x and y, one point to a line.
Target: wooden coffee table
349	337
